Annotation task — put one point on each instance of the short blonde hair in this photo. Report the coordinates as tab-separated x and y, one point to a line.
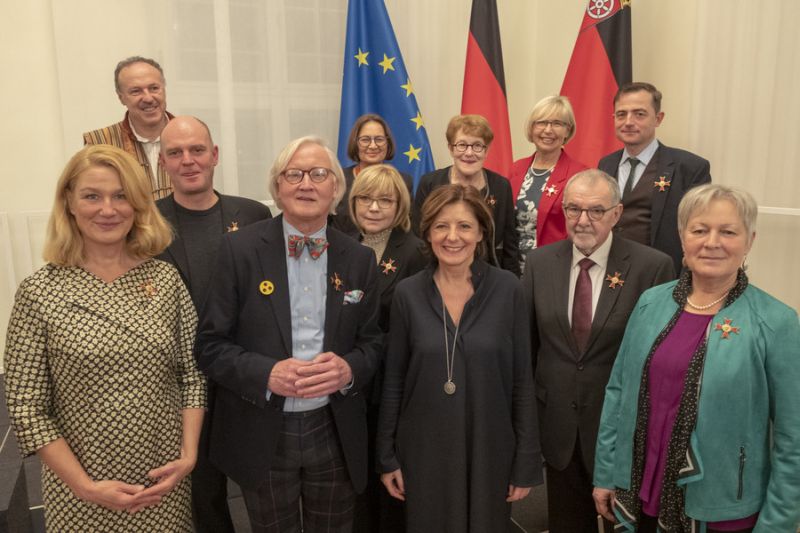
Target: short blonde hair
471	125
699	198
552	106
377	180
286	155
150	234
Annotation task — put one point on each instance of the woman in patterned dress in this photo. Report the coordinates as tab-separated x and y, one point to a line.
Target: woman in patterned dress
101	381
537	181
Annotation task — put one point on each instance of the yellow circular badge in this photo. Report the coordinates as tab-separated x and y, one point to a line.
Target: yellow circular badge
266	287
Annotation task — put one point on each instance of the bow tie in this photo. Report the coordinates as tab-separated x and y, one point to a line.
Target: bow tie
315	246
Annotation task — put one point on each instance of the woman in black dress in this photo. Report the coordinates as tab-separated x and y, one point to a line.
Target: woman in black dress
457	438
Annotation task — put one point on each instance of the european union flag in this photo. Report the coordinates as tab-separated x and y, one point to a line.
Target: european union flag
376	81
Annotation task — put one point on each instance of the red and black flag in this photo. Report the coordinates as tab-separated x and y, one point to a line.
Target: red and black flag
484	82
600	65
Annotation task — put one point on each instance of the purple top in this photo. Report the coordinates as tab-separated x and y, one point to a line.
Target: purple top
665	381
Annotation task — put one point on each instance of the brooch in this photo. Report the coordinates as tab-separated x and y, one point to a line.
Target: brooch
550	190
726	328
233	227
148	288
491	201
615	280
389	266
663	183
266	287
337	282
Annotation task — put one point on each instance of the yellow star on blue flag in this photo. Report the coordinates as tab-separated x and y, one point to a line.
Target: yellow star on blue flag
383	88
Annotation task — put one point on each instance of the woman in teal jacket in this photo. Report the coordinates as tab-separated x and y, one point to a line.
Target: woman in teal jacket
700	428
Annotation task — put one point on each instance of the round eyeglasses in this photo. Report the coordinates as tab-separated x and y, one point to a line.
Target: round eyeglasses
295	175
461	147
365	140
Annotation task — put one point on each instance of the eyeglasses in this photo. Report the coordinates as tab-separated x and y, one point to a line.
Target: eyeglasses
295	175
555	124
462	147
365	140
383	202
594	213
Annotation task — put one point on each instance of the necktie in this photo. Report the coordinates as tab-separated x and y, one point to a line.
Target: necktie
582	305
633	162
315	246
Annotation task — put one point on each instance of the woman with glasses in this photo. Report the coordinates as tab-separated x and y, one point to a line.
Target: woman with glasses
469	137
370	143
379	204
538	181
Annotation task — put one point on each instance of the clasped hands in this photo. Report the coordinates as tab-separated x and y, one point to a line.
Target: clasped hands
121	496
326	374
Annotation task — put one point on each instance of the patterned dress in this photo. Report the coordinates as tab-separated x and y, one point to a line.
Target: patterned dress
108	367
527	210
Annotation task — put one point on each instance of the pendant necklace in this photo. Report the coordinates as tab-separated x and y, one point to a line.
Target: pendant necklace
449	356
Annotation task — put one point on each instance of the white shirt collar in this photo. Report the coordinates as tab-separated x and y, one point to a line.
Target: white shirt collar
644	156
599	256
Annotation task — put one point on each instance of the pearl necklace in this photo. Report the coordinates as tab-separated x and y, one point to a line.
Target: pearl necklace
707	306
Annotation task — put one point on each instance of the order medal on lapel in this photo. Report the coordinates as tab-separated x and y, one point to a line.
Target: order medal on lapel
337	282
148	288
266	287
550	190
663	184
615	280
233	227
726	328
389	265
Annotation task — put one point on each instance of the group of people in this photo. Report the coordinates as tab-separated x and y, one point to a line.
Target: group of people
370	360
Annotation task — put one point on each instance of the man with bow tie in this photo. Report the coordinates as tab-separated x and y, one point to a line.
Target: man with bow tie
289	334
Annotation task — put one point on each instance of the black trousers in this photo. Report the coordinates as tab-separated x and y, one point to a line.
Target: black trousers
308	467
649	524
570	506
210	512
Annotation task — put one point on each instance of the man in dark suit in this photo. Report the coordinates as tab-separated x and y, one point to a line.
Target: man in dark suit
289	334
200	216
661	175
580	293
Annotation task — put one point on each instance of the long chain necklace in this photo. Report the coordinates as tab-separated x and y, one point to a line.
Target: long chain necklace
449	356
707	306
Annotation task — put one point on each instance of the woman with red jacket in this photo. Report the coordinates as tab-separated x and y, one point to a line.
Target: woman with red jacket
538	181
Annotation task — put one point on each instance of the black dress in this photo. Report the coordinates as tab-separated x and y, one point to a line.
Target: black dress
458	453
501	202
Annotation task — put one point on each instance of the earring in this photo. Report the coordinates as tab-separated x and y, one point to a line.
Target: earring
744	264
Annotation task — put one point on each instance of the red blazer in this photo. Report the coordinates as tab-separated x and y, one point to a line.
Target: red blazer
550	223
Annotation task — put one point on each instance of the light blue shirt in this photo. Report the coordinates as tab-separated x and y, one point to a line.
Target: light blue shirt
308	292
623	173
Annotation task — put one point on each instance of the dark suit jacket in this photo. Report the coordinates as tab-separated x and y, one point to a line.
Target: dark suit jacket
243	333
237	212
506	239
570	386
683	170
341	220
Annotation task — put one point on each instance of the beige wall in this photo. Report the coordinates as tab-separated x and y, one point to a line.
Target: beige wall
727	69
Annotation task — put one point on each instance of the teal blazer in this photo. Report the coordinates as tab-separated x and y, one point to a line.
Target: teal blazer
750	392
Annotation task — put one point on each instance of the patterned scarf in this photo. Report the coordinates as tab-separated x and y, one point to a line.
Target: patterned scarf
680	461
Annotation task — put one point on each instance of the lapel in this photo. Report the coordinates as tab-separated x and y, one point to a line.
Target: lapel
391	252
337	266
618	261
271	252
230	214
552	202
175	250
612	168
560	292
666	169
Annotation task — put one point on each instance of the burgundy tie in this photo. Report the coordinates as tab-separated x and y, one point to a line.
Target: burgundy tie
582	305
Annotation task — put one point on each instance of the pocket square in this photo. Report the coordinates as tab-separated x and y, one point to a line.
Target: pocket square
353	297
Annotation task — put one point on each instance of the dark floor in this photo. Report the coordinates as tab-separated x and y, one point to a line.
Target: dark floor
529	515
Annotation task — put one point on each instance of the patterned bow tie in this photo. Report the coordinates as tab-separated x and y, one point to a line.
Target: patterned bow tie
315	246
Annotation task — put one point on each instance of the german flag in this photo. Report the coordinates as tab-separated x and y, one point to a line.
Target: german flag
484	82
600	65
